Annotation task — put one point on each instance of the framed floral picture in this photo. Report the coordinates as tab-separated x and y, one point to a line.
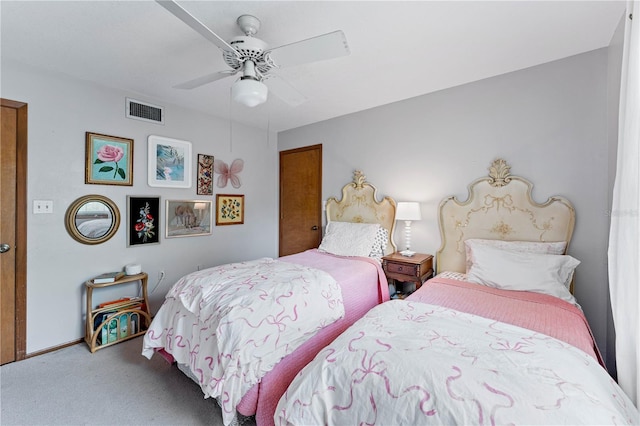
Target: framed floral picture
188	218
229	209
143	220
169	162
205	175
108	160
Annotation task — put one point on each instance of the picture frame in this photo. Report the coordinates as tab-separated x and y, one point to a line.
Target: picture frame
108	160
229	209
188	218
169	162
143	220
204	177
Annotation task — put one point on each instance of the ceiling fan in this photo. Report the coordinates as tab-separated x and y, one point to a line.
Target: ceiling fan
253	60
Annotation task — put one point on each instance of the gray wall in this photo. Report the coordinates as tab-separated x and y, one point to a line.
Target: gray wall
552	123
549	122
61	110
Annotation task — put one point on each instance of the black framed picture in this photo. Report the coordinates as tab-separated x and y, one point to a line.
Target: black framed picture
143	220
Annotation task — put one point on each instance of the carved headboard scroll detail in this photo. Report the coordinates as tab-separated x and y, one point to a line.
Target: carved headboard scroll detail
359	204
499	207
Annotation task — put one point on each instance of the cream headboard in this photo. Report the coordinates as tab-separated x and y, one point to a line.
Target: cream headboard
499	207
359	204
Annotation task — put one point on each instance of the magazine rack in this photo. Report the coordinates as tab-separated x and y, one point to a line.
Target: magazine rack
116	321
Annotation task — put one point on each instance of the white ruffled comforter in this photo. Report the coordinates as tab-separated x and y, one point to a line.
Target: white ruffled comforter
251	315
408	363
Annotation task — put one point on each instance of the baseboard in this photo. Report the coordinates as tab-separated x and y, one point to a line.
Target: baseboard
54	348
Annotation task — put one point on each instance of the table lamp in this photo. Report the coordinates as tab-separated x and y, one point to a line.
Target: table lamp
408	211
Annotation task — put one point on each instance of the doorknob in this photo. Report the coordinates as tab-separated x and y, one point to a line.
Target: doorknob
314	228
4	248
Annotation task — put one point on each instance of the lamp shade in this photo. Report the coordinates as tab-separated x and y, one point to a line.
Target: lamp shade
249	92
408	211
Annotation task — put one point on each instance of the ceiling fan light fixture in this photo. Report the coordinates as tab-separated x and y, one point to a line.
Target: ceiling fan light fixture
253	58
249	92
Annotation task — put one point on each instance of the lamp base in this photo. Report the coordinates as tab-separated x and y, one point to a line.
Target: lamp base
407	253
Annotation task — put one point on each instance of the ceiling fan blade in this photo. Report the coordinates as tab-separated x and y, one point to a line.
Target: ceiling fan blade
320	48
284	90
205	79
195	24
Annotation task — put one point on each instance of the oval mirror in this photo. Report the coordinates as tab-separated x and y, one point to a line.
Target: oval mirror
92	219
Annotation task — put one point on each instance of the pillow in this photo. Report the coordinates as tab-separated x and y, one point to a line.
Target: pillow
519	246
380	243
349	239
512	270
458	276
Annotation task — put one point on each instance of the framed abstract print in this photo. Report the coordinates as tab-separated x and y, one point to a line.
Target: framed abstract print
169	162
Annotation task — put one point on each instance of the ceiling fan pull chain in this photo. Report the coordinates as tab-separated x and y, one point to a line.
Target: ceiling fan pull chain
230	120
268	123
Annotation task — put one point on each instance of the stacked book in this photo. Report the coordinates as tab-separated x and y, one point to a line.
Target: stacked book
108	277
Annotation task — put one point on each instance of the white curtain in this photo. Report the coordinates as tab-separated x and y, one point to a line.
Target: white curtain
624	238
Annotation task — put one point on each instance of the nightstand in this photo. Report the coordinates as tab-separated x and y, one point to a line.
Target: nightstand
417	268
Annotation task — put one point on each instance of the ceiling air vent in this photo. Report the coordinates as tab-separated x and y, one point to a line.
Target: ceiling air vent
144	111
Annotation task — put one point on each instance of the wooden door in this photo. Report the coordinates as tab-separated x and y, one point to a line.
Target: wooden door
13	230
300	199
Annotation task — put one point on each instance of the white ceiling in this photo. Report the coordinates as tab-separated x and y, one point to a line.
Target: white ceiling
398	49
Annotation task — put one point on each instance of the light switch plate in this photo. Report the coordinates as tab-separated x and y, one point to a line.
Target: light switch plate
42	206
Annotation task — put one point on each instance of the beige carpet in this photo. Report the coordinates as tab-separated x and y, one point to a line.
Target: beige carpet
113	386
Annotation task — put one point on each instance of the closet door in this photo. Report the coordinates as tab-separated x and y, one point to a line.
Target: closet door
300	199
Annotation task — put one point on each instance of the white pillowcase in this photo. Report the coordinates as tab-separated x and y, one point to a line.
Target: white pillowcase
380	243
458	276
349	239
519	246
509	270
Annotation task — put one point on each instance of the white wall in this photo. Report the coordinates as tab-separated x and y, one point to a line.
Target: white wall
61	110
549	122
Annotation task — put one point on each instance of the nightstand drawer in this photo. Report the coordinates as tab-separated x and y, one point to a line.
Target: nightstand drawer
403	268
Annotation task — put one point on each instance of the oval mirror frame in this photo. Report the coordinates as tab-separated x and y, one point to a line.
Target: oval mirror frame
72	212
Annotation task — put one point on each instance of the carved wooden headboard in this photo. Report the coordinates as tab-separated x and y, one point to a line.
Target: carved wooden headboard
499	206
359	204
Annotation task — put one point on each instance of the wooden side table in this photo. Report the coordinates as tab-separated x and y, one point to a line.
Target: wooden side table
120	313
417	268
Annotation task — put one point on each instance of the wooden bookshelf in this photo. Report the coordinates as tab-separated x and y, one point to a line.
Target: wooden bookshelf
117	322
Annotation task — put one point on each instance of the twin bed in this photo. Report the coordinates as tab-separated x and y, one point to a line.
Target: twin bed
495	337
243	331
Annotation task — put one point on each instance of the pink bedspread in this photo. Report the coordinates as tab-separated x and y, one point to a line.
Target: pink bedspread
534	311
364	286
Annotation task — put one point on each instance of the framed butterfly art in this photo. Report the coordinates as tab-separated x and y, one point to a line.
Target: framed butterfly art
205	174
228	173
